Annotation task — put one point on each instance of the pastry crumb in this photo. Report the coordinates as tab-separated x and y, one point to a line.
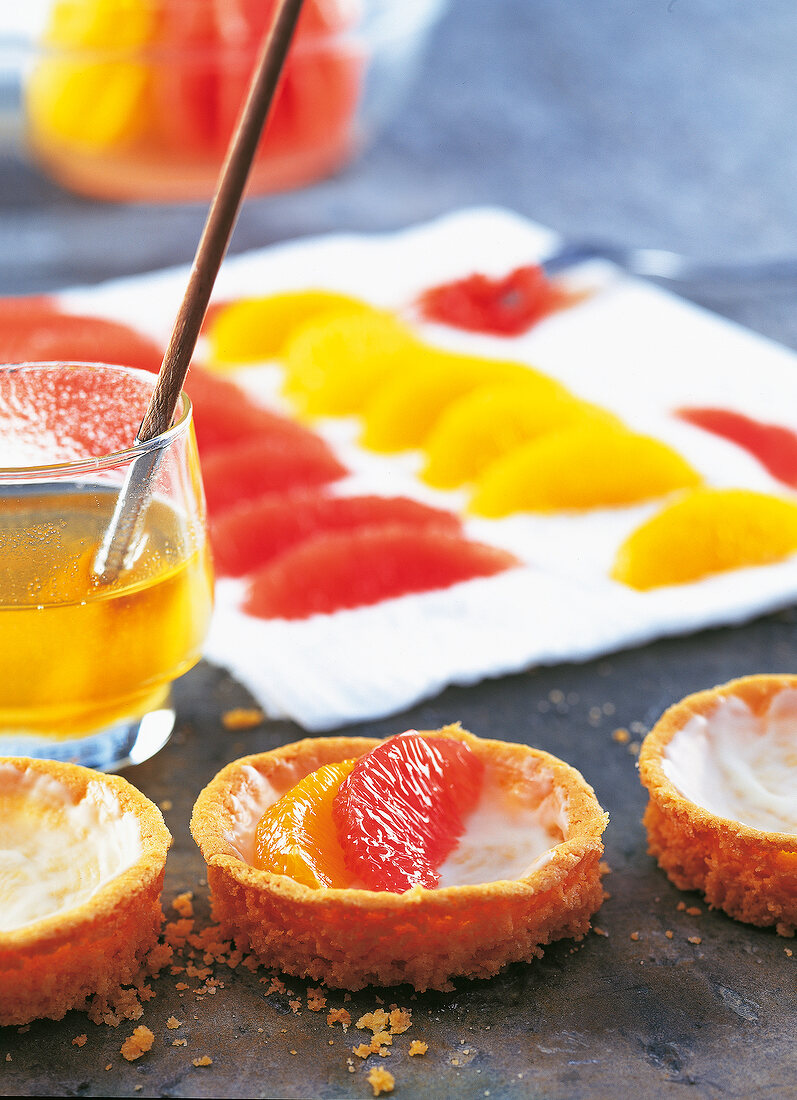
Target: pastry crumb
203	1061
362	1051
80	1040
634	936
172	1023
315	999
137	1044
166	805
669	934
374	1021
295	1006
695	940
339	1016
242	718
417	1046
694	911
600	931
182	904
179	1042
381	1080
400	1020
788	951
621	736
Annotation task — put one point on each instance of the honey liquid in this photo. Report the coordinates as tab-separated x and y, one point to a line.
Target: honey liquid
77	655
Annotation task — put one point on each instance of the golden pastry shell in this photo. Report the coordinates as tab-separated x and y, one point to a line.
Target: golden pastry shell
350	938
751	874
56	963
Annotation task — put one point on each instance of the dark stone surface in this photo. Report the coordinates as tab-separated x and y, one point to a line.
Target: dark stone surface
656	122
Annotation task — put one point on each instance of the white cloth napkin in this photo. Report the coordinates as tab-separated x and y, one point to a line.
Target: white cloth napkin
631	347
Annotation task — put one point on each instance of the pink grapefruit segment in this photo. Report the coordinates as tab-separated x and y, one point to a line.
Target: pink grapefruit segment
402	809
255	532
224	415
37	333
266	464
344	569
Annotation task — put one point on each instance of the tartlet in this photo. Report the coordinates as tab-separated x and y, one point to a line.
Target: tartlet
351	938
720	768
76	917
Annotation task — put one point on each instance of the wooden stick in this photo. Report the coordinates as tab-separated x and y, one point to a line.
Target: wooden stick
210	252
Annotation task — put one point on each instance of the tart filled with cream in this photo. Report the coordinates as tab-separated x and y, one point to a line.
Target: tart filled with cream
721	771
81	867
418	859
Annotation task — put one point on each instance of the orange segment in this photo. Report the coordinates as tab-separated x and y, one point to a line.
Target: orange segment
334	363
708	531
297	836
93	104
589	466
483	425
405	409
253	330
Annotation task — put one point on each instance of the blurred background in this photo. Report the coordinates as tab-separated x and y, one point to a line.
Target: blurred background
665	123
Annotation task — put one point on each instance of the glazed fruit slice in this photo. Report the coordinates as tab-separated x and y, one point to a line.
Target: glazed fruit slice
402	809
255	532
255	330
45	335
483	425
589	466
331	572
334	363
707	531
297	836
406	408
265	464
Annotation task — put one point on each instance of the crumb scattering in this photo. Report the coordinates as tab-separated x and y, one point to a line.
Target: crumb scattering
315	999
417	1046
381	1080
80	1040
137	1044
242	718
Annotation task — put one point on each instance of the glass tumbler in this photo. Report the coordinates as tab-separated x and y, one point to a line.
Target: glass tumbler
86	661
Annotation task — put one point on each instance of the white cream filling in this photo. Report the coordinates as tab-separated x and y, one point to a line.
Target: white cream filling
56	853
511	832
739	765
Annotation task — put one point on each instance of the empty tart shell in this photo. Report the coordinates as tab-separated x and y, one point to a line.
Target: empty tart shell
746	869
51	964
350	938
